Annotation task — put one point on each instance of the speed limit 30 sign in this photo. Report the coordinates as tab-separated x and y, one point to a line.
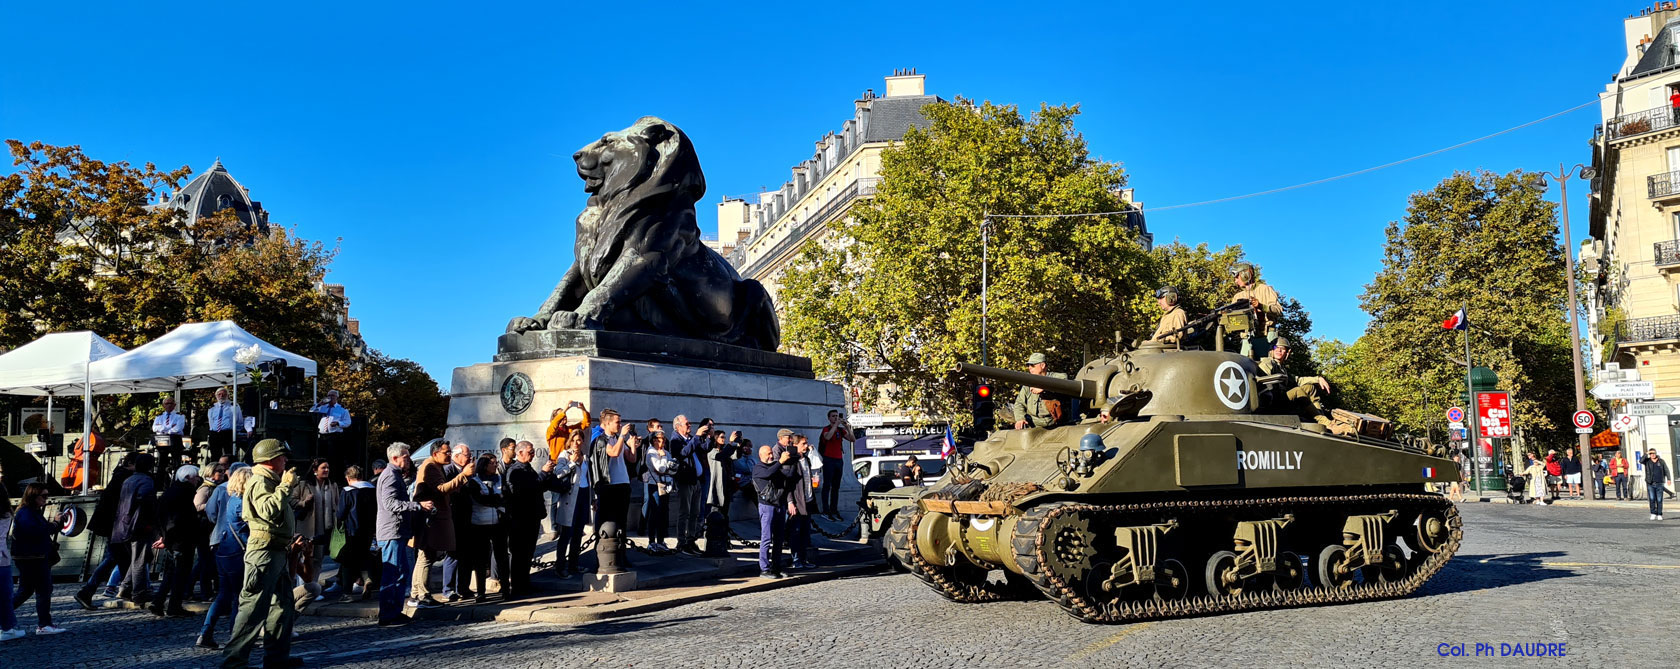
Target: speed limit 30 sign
1583	419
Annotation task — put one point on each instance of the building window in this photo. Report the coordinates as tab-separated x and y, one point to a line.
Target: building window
223	201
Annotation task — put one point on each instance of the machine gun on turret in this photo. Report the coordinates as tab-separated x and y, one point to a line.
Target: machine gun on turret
1237	316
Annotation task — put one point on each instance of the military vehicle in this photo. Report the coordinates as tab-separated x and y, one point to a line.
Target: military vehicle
1181	490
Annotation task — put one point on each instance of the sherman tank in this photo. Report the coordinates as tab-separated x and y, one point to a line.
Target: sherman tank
1177	487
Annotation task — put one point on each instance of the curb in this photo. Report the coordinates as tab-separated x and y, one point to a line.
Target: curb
1578	503
754	584
530	611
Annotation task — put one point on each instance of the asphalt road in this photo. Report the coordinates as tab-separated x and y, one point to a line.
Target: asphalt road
1602	581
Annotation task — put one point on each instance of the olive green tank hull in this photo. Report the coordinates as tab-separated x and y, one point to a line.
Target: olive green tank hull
1069	552
1200	490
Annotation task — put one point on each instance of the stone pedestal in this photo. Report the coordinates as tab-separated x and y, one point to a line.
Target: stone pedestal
756	404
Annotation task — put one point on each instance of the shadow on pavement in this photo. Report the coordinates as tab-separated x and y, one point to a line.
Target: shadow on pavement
1469	573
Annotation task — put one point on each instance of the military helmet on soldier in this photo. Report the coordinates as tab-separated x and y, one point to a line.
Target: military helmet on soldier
269	449
1168	293
1246	272
1281	342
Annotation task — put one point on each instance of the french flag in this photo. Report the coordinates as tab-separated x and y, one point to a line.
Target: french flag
1429	472
1456	322
950	444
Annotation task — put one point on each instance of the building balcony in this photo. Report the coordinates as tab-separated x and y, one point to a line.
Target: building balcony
1649	332
1665	186
1628	126
1666	254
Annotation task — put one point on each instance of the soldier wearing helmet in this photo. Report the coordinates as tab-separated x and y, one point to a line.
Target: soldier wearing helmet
1267	309
1172	317
1303	396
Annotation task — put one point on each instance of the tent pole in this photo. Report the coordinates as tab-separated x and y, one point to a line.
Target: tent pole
233	439
314	390
87	432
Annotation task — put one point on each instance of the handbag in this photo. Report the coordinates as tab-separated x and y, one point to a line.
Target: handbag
53	557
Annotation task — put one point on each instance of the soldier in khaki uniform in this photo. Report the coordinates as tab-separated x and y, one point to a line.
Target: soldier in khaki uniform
1306	394
1172	317
1030	408
265	599
1267	309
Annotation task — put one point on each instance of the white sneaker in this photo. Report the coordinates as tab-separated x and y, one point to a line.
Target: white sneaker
14	633
1659	516
48	630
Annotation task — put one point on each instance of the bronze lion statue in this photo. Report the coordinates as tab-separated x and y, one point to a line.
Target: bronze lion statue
640	266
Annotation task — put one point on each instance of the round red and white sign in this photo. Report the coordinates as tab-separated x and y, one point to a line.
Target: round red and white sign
1583	419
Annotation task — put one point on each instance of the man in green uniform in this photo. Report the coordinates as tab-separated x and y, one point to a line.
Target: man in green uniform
265	599
1267	309
1304	395
1172	317
1031	407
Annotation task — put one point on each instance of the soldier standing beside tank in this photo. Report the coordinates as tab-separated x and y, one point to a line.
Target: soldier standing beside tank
1032	408
265	599
1267	309
1172	317
1305	395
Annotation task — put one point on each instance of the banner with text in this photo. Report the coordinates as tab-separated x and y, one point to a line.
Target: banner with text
1493	411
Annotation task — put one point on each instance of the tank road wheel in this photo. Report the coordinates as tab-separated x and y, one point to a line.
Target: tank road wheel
1430	534
1099	574
1291	573
1172	580
1221	575
1394	566
1332	569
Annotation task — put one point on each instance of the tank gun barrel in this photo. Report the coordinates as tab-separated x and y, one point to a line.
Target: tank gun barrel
1072	387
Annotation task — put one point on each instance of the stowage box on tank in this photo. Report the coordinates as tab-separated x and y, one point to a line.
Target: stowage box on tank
1190	498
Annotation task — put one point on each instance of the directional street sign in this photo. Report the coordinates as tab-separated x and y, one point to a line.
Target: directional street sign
1455	415
1625	390
1583	419
1649	409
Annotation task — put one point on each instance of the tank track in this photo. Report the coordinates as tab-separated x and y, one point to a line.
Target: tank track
965	583
1030	551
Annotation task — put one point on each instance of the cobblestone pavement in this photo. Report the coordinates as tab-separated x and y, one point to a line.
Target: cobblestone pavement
1604	581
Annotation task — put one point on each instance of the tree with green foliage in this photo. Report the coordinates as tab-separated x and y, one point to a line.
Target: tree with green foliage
1486	242
1203	278
896	288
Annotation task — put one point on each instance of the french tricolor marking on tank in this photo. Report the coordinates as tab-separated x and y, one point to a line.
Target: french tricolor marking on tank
1429	472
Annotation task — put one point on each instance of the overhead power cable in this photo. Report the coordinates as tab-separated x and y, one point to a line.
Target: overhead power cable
1315	182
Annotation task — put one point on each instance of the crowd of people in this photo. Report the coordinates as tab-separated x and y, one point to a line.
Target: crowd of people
252	539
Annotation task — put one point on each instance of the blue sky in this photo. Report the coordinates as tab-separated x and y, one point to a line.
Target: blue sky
435	139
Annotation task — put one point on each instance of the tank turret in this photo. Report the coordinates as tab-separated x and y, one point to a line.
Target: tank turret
1151	381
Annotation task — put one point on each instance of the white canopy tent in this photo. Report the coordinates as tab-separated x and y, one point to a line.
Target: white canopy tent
193	356
54	365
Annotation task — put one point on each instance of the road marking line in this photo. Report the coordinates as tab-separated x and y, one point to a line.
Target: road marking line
1105	643
399	639
1588	564
1609	564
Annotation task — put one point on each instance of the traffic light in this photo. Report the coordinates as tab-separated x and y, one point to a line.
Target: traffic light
985	413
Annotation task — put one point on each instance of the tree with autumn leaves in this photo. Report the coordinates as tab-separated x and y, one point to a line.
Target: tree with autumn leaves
87	249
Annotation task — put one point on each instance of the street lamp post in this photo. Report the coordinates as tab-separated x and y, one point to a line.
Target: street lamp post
1562	177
